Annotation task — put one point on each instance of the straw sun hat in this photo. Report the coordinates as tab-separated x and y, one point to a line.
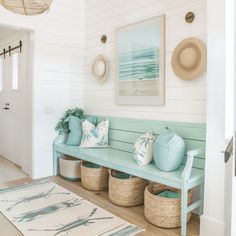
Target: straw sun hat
189	58
100	68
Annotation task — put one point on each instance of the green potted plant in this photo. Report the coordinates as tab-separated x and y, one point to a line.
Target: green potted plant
62	126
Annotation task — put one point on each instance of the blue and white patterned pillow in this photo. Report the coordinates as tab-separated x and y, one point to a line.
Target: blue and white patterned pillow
95	136
143	148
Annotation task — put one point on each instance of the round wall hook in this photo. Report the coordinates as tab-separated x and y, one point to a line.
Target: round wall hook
189	17
104	39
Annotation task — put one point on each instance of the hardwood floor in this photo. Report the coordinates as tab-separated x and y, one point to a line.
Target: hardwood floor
10	171
132	214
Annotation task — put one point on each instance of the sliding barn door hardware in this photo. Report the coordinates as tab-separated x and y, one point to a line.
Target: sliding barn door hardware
10	49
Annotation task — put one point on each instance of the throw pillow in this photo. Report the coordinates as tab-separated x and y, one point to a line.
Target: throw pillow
168	151
143	148
95	136
75	127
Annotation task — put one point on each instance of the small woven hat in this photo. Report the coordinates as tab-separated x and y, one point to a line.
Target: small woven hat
189	58
100	68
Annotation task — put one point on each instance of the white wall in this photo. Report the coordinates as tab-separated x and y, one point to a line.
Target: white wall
185	100
212	222
58	71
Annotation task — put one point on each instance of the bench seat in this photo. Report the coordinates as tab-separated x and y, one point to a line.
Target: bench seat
123	161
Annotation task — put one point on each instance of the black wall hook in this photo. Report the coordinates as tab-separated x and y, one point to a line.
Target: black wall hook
104	39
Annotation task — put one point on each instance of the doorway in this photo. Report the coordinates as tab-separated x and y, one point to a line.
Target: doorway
15	97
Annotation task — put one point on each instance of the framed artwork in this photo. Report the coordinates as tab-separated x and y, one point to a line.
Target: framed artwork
141	63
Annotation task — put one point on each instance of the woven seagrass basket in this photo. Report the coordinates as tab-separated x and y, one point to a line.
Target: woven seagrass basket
94	177
161	211
126	190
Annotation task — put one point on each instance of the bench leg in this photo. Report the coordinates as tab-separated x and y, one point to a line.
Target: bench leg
184	206
55	162
201	198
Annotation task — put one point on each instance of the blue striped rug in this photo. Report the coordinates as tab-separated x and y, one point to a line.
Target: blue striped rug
44	208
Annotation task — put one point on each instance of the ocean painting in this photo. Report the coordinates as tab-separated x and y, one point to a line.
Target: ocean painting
140	60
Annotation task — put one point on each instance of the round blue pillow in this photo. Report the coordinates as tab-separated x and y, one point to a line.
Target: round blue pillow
168	151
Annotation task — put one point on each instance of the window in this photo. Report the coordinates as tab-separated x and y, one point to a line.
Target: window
1	74
15	71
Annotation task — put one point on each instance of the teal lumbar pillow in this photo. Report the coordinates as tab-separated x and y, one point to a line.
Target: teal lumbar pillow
168	151
76	132
169	194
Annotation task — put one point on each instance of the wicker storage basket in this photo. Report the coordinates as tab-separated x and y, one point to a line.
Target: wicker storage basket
126	190
70	168
94	177
161	211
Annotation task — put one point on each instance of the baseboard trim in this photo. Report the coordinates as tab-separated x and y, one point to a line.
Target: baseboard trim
211	226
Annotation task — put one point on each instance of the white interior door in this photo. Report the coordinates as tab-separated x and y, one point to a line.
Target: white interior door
13	109
5	125
233	161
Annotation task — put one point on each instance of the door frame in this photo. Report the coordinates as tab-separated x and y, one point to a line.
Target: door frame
28	167
230	165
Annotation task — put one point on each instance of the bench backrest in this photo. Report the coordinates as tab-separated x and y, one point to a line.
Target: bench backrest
124	132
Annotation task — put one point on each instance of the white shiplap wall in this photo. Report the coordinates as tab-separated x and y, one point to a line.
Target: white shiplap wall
58	71
185	100
66	41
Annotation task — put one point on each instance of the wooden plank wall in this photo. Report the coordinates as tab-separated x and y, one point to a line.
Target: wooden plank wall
185	100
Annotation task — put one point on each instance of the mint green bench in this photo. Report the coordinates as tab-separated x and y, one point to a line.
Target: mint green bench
122	135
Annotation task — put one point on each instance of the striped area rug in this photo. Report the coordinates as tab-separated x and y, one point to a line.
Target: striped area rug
46	209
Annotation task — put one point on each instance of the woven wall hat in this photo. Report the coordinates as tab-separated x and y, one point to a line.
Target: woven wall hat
100	68
189	58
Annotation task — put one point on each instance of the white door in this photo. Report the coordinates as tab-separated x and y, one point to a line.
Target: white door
13	109
4	109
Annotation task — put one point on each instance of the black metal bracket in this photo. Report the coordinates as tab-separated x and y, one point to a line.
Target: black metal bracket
10	49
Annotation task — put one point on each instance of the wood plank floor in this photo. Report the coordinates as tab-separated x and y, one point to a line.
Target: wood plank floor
10	171
131	214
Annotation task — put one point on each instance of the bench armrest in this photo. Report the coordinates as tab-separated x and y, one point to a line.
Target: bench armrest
189	164
60	139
